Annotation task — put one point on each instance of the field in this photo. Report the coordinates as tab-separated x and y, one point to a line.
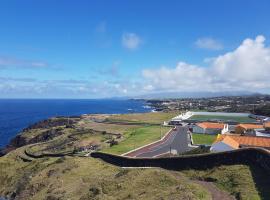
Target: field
112	133
199	138
138	137
150	118
225	118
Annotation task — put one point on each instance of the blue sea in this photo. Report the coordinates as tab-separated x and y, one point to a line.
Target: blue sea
16	114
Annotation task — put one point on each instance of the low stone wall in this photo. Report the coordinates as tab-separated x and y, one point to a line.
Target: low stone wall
247	156
31	155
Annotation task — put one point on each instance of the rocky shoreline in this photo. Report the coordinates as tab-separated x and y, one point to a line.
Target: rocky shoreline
50	128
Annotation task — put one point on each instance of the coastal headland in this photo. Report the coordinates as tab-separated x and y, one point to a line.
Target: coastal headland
50	160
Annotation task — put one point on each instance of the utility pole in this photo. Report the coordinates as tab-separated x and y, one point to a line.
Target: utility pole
134	132
160	131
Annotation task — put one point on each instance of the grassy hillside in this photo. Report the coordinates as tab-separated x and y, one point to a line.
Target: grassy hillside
88	178
73	177
243	182
115	133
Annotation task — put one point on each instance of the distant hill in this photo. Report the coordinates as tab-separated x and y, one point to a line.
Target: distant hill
163	95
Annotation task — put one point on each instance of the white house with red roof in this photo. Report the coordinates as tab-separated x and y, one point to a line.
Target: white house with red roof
210	128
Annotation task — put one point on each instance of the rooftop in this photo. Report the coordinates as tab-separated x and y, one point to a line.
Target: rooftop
251	126
211	125
267	125
246	140
231	142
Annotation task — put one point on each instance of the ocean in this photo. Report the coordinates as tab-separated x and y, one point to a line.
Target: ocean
16	114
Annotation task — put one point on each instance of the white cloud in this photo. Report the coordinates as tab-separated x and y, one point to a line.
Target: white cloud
182	77
209	43
131	41
249	62
246	68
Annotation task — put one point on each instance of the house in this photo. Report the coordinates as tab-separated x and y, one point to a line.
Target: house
247	129
209	128
263	132
230	142
224	144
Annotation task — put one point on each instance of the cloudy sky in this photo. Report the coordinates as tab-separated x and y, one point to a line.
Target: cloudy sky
105	48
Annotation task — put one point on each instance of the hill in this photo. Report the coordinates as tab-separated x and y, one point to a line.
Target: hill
47	162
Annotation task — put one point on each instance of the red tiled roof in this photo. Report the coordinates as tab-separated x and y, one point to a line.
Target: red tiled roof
250	126
267	125
211	125
228	140
247	140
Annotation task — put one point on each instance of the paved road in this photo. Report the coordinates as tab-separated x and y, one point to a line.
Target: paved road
177	143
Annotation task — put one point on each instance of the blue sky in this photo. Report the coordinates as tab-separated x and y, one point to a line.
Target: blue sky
95	49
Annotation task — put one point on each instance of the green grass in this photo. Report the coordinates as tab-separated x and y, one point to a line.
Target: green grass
87	178
151	118
199	138
226	118
138	137
243	182
198	150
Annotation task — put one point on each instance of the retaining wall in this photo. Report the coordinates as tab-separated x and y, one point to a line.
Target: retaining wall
247	156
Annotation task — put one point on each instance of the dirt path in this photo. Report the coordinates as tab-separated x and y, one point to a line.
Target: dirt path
216	193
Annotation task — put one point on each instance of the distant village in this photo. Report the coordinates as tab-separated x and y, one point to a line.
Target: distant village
255	104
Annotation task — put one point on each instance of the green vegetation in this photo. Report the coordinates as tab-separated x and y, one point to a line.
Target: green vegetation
115	133
225	118
263	110
243	182
88	178
199	138
198	150
73	177
150	118
138	137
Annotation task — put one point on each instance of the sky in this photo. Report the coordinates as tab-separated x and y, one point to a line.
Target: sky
125	48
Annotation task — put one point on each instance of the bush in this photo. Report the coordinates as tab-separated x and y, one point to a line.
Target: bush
94	191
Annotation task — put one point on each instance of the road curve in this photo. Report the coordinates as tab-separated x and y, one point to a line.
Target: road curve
176	141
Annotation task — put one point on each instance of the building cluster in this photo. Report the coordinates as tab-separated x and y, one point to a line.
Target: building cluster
251	104
230	137
230	133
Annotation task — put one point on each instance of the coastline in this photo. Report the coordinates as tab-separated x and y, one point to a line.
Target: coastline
17	114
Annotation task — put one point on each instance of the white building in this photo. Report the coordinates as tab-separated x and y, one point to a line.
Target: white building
210	128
